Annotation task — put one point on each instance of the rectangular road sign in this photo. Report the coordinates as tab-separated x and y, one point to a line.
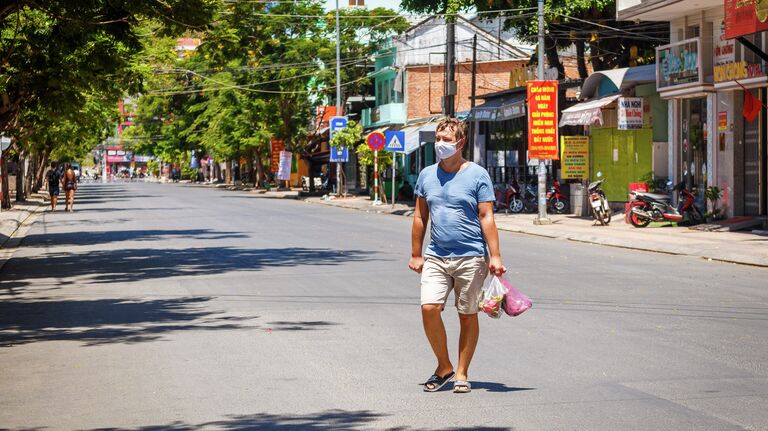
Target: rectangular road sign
339	155
395	141
337	123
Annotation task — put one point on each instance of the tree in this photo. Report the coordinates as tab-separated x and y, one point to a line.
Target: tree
60	55
588	25
257	75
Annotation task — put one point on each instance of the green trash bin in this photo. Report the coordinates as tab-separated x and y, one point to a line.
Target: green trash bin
387	188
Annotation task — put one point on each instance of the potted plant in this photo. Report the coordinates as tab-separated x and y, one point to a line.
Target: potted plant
713	194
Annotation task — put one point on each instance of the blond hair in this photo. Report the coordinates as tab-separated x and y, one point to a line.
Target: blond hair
455	126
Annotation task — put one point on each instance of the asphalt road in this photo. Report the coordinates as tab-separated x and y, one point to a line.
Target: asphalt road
165	306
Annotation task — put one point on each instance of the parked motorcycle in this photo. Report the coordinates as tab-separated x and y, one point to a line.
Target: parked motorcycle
530	198
556	200
508	199
648	207
597	200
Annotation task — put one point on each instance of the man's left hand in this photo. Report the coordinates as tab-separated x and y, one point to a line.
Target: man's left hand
496	267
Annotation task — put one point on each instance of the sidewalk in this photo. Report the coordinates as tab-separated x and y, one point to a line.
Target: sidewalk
737	247
15	222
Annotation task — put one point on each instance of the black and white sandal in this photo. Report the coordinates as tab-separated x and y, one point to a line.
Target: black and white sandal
462	387
435	382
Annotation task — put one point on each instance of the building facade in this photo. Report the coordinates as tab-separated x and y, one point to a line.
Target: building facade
712	73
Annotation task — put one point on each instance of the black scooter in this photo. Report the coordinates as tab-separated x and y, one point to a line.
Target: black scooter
597	200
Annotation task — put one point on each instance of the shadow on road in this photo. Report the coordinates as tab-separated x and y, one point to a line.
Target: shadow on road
109	237
128	265
337	420
107	321
497	387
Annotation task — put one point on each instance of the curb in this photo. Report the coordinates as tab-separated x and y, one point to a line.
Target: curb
14	238
648	246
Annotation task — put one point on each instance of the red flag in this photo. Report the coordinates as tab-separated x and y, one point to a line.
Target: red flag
751	106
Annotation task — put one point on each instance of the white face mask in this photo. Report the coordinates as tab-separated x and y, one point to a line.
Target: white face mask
445	150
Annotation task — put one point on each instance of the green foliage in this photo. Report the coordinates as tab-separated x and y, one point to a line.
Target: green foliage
365	157
350	137
589	25
153	166
256	76
713	195
188	173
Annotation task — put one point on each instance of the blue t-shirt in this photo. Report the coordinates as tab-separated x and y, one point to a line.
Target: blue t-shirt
452	200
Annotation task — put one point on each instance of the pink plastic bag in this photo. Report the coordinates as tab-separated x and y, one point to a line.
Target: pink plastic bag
515	302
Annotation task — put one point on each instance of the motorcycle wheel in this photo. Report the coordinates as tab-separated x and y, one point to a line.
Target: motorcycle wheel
597	213
696	216
558	205
516	205
607	216
635	221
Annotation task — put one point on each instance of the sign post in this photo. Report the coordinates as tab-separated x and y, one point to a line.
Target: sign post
376	142
338	156
395	140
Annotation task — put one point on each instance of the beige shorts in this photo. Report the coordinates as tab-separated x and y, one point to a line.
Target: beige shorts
462	275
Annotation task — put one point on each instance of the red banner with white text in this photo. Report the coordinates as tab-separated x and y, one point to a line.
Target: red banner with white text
542	120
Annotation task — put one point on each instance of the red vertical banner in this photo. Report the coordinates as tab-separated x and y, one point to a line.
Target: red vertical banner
542	120
277	146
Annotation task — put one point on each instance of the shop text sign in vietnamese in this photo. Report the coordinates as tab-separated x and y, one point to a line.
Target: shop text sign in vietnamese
277	146
574	157
630	113
744	17
542	120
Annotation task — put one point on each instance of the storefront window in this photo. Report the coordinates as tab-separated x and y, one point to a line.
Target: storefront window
505	149
693	157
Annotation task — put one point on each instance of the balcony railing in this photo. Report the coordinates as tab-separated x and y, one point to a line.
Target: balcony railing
382	115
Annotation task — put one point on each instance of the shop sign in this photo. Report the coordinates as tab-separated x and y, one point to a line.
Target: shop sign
574	157
630	113
284	168
678	64
277	146
324	114
743	17
725	49
520	75
722	121
542	120
737	70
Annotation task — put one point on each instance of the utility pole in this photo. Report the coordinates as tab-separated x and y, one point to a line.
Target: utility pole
338	92
472	99
450	73
542	219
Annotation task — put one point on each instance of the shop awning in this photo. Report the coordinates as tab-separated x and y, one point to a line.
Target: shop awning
615	80
499	109
586	113
414	135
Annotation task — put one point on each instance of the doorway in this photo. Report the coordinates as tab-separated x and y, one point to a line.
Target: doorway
693	148
754	167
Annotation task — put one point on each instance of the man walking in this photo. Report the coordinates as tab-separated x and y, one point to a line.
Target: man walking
52	179
464	245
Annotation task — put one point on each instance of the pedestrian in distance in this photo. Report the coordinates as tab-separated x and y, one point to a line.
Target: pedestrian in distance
52	179
457	196
69	183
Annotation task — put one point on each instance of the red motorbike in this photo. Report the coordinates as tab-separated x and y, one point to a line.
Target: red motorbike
508	199
556	200
647	207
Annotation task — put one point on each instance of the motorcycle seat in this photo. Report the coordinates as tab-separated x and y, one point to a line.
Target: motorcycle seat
654	196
